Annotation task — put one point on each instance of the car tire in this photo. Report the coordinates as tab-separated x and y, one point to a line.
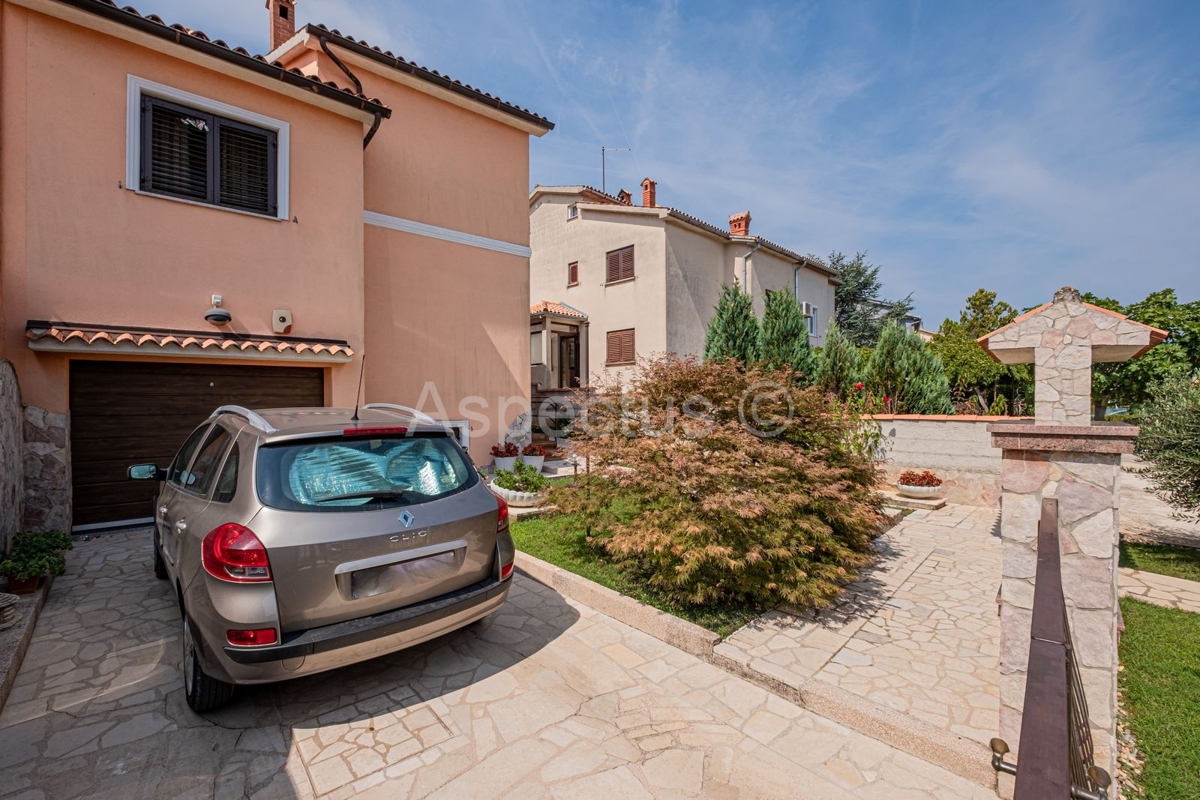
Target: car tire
160	566
203	692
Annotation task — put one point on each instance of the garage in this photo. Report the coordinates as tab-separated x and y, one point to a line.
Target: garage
126	413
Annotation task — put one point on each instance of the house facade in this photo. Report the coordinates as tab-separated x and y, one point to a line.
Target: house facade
184	225
644	279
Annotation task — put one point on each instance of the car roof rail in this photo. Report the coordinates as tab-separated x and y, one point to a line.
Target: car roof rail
253	417
420	416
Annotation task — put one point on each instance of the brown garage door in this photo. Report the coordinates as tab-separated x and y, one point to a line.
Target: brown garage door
126	413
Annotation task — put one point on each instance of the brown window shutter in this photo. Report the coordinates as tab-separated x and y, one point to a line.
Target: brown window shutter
621	348
627	264
572	273
619	265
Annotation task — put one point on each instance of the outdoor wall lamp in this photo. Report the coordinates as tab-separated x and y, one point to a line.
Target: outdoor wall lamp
217	315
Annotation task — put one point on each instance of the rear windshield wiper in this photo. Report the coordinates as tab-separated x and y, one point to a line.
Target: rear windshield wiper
378	494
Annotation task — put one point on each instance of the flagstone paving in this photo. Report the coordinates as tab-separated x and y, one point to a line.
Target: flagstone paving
1161	590
918	633
1145	517
545	699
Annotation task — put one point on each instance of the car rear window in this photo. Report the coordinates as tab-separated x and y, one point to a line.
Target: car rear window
353	473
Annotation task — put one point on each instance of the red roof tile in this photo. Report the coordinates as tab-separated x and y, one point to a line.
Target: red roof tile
189	37
150	339
557	309
389	58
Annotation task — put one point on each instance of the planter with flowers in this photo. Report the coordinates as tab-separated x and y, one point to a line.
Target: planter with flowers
522	487
505	456
919	485
534	455
35	555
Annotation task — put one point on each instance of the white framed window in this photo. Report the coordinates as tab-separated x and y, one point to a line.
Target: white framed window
535	348
572	211
810	316
185	147
461	429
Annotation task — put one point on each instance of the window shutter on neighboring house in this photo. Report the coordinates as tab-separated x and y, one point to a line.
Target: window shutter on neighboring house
621	348
572	273
619	265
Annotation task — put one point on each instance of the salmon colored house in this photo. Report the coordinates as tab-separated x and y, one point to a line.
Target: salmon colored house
184	224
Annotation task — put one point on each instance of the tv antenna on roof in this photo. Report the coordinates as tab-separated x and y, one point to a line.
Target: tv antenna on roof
603	175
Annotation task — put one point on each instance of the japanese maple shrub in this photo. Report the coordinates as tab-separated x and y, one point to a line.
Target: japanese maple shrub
717	482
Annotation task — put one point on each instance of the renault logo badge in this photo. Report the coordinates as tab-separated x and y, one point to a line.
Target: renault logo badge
406	518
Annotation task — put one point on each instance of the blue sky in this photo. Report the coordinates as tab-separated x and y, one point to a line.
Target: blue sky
1015	146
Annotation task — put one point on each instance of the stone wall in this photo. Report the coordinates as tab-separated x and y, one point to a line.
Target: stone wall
1087	486
47	464
11	467
958	448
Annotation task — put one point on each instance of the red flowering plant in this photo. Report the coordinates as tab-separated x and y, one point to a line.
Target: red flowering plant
914	478
509	450
533	450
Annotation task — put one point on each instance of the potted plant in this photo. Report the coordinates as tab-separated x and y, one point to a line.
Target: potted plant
34	555
534	455
505	455
918	485
523	487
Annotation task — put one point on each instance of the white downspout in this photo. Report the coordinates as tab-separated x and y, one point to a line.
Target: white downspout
745	265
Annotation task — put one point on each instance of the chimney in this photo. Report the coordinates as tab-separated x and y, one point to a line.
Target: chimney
625	197
283	21
739	224
648	187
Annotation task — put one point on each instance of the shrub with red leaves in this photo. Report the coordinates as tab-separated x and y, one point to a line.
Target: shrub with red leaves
709	509
533	450
509	450
914	478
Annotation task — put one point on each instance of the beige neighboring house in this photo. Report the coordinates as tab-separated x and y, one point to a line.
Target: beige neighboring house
612	281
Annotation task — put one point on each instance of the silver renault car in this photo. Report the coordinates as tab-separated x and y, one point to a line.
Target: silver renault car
303	539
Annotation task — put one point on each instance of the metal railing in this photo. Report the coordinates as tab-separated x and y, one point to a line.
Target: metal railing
1055	758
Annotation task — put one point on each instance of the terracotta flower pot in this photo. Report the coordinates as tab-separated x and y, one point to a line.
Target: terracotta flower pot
918	492
26	586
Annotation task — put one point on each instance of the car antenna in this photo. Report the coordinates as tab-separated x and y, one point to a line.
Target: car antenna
358	395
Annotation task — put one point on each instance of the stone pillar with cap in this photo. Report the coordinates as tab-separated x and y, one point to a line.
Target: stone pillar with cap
1064	455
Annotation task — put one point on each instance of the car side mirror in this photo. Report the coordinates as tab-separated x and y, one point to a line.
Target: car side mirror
146	472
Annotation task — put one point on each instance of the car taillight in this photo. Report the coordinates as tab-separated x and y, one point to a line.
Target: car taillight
502	517
502	527
259	636
233	553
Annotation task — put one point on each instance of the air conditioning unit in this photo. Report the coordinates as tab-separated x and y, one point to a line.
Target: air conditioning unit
807	309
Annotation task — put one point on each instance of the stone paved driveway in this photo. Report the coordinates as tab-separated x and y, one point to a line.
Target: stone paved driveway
545	699
918	633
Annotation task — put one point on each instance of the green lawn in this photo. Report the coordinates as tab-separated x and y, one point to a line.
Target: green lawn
547	538
1160	682
1178	562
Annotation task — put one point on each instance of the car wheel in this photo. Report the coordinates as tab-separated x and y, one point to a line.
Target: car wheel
160	566
204	693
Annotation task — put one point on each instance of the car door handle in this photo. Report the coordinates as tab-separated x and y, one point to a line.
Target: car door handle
181	526
162	511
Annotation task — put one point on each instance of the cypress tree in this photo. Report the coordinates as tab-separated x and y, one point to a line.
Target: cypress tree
839	367
734	331
785	336
906	370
